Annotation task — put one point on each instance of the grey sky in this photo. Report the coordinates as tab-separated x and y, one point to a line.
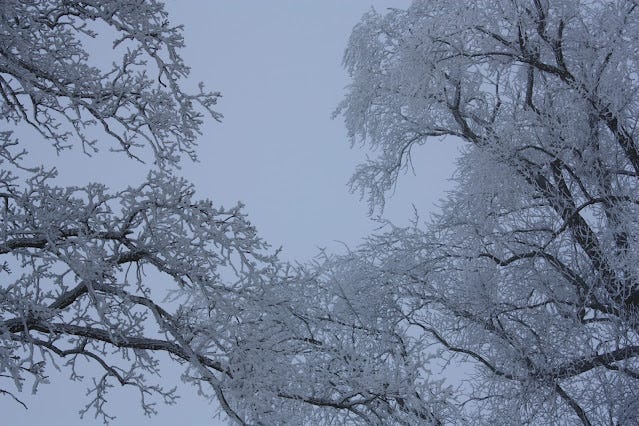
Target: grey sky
278	65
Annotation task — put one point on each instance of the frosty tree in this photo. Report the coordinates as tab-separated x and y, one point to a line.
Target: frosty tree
75	260
100	280
529	273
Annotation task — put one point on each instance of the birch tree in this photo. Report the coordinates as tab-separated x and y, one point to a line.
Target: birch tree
529	271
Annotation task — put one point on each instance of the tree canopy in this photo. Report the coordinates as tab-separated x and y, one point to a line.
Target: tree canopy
529	272
525	283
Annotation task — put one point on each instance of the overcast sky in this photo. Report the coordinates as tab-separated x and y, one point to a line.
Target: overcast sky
278	65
